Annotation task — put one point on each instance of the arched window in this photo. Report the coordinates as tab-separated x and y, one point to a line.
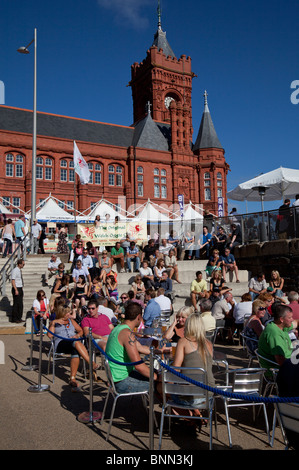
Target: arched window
44	168
115	175
67	172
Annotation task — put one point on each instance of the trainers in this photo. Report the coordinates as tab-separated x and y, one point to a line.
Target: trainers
122	270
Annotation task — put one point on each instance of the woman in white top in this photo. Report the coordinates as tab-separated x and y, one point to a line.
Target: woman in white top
8	235
40	307
242	309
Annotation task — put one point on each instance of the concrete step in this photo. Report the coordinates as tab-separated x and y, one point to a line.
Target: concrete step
36	266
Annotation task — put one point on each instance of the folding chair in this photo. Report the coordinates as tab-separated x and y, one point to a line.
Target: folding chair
173	385
288	417
247	382
218	357
112	391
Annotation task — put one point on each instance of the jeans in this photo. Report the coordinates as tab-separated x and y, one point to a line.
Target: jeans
136	260
135	382
8	247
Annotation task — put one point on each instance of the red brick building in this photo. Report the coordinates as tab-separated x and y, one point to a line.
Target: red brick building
154	158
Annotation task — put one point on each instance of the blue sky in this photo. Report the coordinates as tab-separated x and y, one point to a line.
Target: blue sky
244	53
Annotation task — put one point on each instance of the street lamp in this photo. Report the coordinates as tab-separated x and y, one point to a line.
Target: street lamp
25	50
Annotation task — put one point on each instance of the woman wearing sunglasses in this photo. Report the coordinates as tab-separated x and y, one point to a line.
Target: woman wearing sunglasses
254	327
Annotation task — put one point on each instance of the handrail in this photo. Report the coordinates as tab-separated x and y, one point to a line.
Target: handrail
10	264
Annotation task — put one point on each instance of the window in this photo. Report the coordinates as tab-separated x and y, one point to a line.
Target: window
14	165
219	180
207	194
6	201
70	205
16	201
67	173
219	192
160	189
140	170
44	168
115	175
140	189
207	179
61	204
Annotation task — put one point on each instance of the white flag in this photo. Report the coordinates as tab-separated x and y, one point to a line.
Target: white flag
80	165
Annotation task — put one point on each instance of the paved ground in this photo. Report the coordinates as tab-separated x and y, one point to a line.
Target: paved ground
49	420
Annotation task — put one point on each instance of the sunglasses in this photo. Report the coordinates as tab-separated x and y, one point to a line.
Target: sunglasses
123	298
262	308
91	308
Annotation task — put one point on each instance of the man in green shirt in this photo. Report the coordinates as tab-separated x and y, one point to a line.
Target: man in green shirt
123	347
275	343
198	289
118	255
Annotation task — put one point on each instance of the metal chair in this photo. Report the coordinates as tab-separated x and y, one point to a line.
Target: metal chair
288	417
251	355
270	380
55	356
247	382
165	317
175	385
112	391
218	357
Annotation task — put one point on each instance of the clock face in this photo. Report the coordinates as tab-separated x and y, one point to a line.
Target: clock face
167	101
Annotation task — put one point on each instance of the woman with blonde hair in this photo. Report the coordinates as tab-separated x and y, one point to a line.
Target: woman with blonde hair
177	328
276	283
194	350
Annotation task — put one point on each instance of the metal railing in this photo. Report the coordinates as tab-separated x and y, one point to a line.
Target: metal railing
19	252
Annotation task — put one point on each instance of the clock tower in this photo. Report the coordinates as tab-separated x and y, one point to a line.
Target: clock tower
162	79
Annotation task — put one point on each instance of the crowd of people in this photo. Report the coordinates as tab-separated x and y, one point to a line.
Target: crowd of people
87	297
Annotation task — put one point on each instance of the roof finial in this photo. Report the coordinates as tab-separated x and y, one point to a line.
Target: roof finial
206	101
159	10
148	107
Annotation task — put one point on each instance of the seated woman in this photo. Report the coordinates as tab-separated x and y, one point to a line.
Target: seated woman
111	288
61	289
194	350
177	328
80	292
213	263
158	270
171	266
96	291
254	326
40	308
138	288
276	283
66	332
105	265
217	286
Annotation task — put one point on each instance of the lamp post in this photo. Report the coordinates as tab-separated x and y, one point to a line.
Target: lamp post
25	50
263	229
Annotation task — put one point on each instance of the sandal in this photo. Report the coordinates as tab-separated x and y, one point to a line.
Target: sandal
74	385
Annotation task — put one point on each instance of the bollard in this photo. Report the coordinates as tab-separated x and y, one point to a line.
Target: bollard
30	366
90	416
151	400
39	387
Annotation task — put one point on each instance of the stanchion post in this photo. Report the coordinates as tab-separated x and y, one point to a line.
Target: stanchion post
39	387
90	416
151	400
30	366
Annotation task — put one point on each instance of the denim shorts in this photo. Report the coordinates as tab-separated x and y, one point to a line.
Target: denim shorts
135	382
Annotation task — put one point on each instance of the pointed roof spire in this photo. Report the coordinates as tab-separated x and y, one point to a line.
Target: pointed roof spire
160	37
148	135
207	137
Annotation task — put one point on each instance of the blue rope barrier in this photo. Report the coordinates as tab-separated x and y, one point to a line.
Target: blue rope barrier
237	396
215	390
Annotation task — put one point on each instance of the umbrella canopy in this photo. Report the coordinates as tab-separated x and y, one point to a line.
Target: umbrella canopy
103	208
279	183
50	211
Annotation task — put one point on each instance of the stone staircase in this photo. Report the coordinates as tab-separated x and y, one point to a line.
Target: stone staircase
36	265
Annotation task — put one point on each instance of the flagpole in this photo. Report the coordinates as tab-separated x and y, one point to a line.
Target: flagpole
75	202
